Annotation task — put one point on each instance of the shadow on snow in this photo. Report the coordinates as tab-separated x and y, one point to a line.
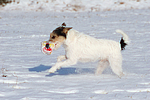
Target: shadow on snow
62	71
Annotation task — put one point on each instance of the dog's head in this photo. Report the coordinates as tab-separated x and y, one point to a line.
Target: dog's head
59	35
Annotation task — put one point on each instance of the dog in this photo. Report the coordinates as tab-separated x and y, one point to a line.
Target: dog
80	47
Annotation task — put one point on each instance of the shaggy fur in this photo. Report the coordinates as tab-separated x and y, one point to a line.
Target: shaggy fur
83	48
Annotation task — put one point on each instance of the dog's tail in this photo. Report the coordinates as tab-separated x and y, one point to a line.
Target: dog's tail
124	40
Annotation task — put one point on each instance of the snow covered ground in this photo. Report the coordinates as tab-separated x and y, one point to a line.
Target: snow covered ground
24	68
77	5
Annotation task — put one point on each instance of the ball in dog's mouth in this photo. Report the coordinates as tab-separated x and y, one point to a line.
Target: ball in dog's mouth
47	47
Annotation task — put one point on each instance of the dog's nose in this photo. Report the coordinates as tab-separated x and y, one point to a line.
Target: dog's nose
49	40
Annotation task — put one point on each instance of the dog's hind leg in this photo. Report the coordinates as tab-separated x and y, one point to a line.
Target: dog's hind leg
101	66
116	66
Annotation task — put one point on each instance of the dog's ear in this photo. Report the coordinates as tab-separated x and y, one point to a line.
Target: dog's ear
63	24
66	29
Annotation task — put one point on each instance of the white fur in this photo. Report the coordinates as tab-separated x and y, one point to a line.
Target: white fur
83	48
125	36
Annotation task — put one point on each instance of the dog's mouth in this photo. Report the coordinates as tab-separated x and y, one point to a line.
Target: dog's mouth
57	45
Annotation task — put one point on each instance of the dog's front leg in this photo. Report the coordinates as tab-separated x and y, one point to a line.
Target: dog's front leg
60	58
66	63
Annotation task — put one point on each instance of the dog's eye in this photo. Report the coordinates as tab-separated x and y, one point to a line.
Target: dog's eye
53	37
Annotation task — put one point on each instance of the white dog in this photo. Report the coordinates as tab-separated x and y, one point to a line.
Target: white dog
83	48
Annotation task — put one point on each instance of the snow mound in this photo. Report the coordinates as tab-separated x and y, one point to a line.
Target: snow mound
76	5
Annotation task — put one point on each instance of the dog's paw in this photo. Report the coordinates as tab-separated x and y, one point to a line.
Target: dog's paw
52	70
121	75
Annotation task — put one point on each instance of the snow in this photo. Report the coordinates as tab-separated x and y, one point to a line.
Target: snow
24	68
77	5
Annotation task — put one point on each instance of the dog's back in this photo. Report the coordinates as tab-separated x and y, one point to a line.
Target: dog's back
88	48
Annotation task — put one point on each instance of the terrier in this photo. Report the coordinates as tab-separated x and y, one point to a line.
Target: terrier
83	48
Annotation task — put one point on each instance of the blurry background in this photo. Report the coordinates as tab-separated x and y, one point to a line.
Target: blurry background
73	5
4	2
